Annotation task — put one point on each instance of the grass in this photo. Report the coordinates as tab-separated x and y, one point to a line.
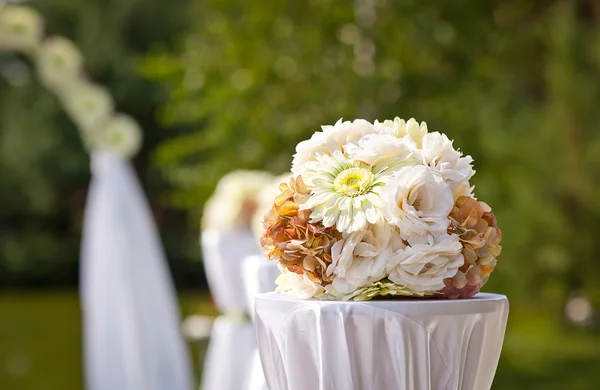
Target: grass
40	346
40	338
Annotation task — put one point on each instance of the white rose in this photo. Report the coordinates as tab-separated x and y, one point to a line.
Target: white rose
401	128
59	64
329	140
361	258
21	28
418	201
378	149
424	265
90	106
296	285
437	152
235	200
122	135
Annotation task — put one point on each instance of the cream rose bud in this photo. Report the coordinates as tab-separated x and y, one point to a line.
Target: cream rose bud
401	128
418	201
437	152
90	106
296	285
21	28
60	64
331	139
122	135
426	262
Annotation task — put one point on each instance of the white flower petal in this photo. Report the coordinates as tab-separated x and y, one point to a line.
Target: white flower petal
331	139
343	221
437	152
418	201
424	266
331	218
299	286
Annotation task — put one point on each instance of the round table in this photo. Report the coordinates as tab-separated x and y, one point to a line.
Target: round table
412	344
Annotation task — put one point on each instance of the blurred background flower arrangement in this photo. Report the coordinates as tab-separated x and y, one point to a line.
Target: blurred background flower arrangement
59	66
219	86
228	235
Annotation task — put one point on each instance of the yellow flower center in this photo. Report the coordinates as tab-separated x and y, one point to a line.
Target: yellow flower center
353	182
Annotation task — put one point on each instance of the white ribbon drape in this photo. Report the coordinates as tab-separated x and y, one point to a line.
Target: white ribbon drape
132	337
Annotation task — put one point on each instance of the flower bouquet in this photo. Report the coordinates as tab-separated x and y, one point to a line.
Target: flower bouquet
380	210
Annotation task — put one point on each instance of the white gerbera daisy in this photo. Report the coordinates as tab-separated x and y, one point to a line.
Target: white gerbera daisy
344	192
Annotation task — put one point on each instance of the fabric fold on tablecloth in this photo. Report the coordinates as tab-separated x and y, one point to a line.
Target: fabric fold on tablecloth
408	344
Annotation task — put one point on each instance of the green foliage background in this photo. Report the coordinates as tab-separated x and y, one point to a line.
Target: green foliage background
44	169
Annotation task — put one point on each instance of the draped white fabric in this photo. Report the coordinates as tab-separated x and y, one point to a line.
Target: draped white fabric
132	336
256	377
223	253
230	348
259	276
403	344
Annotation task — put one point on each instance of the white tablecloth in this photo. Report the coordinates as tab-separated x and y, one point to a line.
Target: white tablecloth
223	253
255	378
259	276
227	361
401	344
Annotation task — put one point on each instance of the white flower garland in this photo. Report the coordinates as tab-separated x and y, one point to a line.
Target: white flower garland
59	66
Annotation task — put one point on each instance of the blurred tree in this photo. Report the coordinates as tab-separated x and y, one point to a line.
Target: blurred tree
44	170
513	82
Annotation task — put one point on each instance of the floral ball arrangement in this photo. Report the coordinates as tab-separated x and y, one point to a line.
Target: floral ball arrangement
235	201
380	209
